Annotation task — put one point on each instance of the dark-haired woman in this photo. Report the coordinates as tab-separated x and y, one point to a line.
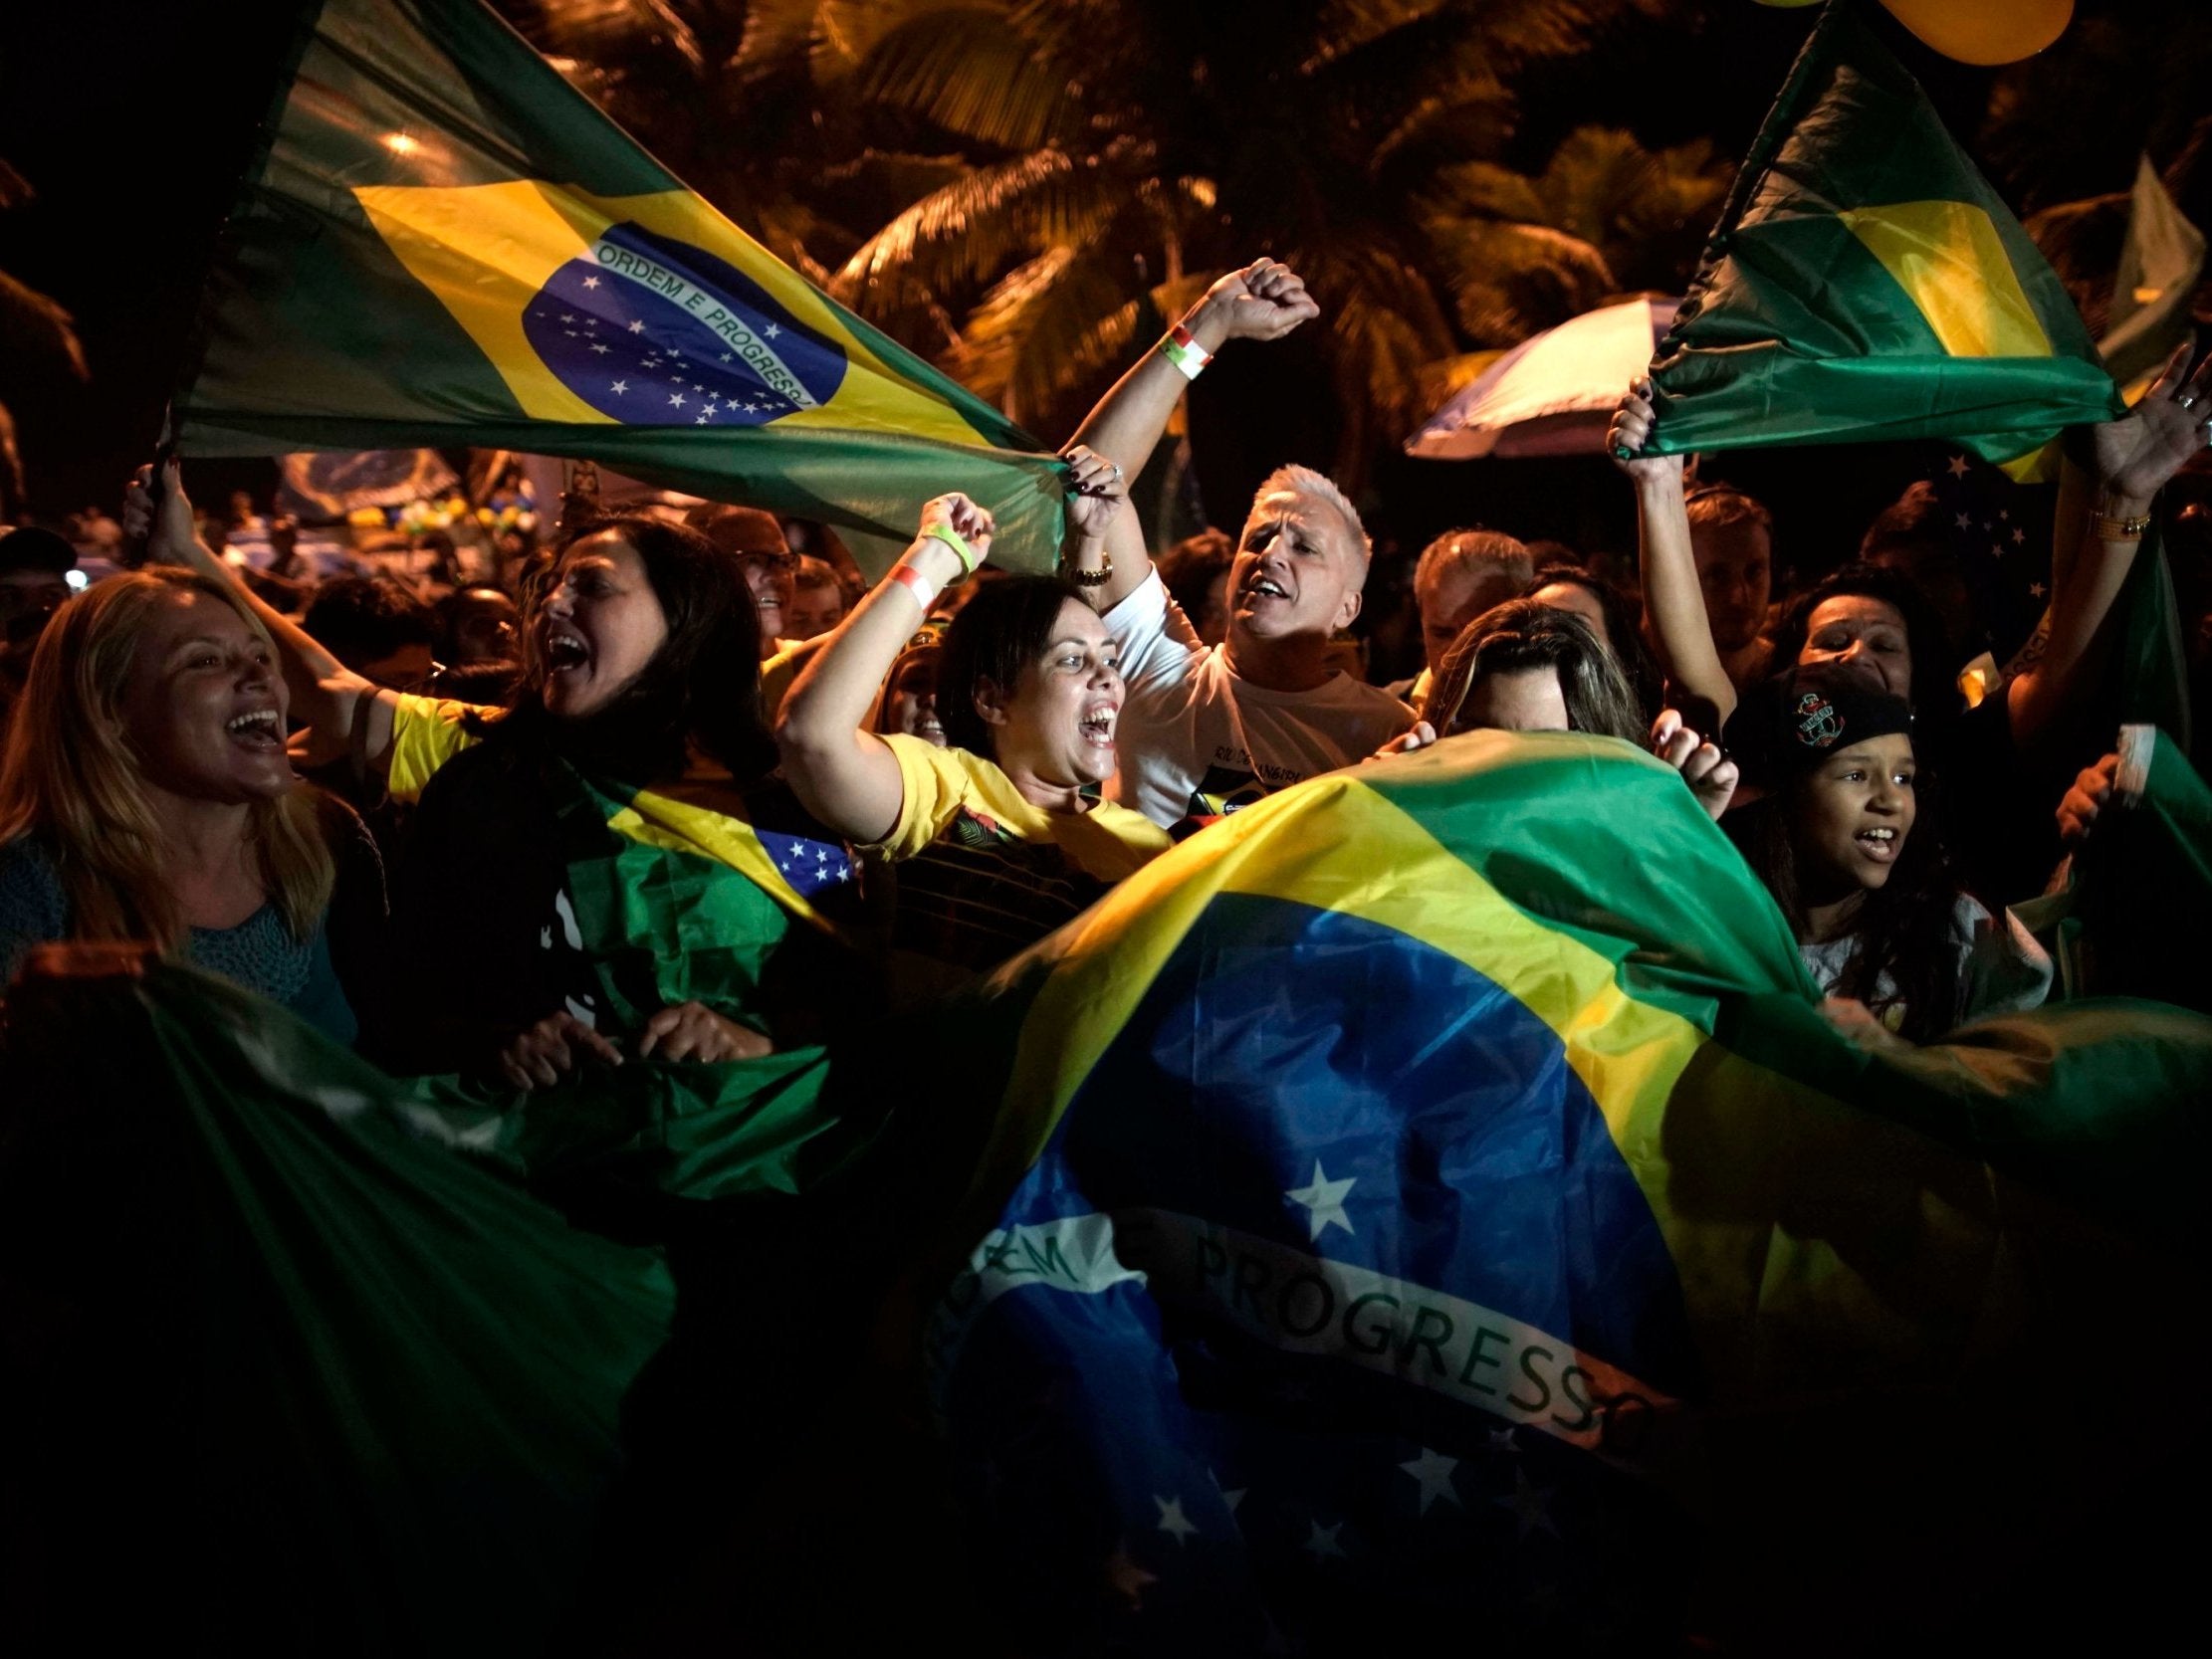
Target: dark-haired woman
1610	615
1000	836
586	879
1528	666
1837	836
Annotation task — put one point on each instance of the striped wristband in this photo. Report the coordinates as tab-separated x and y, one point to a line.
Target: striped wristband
924	590
1183	349
958	543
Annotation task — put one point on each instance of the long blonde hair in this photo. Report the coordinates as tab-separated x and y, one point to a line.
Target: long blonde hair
70	775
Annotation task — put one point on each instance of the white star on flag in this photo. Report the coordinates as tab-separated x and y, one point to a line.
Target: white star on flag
1965	521
600	349
676	400
2018	537
726	356
1173	1521
699	420
2034	590
567	317
1958	466
1527	1505
1325	1199
637	328
621	386
772	330
1434	1471
591	282
1321	1543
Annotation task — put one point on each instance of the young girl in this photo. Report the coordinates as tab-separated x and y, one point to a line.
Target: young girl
1879	919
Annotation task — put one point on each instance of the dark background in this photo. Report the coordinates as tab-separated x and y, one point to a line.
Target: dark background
134	120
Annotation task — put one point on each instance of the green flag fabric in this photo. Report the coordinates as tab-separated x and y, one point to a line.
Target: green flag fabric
282	1374
1864	282
444	244
1431	1197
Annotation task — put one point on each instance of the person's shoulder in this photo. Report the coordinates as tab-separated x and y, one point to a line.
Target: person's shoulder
1130	826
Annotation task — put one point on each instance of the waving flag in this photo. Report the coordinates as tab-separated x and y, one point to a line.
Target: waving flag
1864	282
1436	1203
445	244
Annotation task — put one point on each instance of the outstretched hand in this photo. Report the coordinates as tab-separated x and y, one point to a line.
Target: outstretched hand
1420	735
2086	801
1262	301
1096	491
1632	421
2137	452
535	1058
166	527
972	524
1713	777
692	1031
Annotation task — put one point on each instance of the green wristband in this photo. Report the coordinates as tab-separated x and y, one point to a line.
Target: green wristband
958	543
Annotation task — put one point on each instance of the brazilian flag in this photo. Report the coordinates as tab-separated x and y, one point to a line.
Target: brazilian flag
1866	284
1432	1199
444	244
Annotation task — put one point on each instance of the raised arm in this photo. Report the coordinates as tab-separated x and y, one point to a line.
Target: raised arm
1265	300
2131	460
843	773
1673	602
325	695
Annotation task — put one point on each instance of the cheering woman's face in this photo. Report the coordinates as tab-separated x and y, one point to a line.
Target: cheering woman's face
597	627
204	707
1059	724
1862	632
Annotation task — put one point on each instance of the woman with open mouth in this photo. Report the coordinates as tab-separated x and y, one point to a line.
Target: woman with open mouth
586	885
998	838
1840	835
146	795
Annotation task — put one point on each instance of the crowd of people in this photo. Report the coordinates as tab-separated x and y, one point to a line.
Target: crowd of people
358	795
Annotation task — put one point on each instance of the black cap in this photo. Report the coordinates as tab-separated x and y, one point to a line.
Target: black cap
1789	724
32	549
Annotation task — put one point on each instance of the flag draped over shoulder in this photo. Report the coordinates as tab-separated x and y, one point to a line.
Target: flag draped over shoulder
1864	282
1437	1203
445	244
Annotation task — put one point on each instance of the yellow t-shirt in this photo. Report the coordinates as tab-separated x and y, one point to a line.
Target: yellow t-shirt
426	733
978	874
942	786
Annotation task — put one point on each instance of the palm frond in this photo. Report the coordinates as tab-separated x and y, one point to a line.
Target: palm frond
966	71
1043	327
968	230
33	325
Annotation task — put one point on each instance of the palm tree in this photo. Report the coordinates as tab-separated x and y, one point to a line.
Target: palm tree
1124	152
1024	188
32	326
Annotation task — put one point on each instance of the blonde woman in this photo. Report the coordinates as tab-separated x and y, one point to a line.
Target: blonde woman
146	794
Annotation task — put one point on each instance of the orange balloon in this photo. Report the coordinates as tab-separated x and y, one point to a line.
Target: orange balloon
1985	31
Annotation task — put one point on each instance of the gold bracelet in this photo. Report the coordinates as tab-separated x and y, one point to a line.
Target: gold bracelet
2110	529
1094	578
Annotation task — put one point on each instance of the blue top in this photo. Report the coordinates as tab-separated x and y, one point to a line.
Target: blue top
259	953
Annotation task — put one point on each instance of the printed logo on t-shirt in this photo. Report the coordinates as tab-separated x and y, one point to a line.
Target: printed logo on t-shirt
1225	790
